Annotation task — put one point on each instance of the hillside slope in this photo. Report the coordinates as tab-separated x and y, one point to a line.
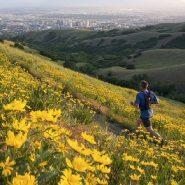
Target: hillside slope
117	99
114	44
157	66
98	53
52	136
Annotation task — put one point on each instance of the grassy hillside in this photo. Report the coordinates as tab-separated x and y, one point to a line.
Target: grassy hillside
50	134
160	58
155	51
164	68
152	61
102	49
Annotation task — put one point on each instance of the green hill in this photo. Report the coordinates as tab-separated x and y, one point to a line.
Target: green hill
163	68
155	51
55	128
160	58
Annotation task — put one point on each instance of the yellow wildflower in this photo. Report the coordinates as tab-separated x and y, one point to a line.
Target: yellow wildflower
53	135
154	177
103	169
135	177
32	157
91	179
44	163
102	181
149	164
140	170
173	182
7	166
150	183
21	125
101	158
88	138
79	164
132	167
51	115
177	168
3	117
16	105
16	140
65	131
79	148
70	179
24	179
61	147
127	157
37	144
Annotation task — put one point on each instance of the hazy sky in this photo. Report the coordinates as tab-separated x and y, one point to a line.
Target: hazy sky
156	4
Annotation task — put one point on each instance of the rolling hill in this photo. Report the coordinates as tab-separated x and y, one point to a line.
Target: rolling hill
122	57
159	66
54	131
54	128
160	58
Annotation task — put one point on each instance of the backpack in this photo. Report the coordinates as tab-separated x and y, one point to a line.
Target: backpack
148	100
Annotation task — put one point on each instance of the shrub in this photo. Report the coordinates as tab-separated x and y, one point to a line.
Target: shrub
18	45
146	43
138	54
130	66
162	36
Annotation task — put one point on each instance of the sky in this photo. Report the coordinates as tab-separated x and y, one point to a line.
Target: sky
140	4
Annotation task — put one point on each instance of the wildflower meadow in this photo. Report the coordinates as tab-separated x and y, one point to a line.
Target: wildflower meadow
50	134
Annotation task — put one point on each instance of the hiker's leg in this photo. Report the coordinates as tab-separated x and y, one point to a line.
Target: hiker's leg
148	126
139	122
152	132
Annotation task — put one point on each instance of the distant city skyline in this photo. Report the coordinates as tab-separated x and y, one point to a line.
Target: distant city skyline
136	4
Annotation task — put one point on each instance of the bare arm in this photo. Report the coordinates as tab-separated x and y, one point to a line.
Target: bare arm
134	104
137	102
155	100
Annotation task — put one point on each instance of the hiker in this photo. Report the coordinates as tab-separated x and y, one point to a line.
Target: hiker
144	100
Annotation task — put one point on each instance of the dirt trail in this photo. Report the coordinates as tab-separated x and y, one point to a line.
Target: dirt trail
114	124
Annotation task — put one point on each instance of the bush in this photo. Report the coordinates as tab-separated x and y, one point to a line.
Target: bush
164	89
113	40
70	64
146	43
162	36
109	73
178	42
82	116
100	42
138	54
130	66
88	69
121	41
18	45
126	32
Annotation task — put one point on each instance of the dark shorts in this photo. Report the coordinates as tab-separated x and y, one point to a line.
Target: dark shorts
146	122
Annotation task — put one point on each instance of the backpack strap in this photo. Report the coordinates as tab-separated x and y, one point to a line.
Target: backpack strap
147	97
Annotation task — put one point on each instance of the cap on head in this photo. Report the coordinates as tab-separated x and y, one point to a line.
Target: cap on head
144	84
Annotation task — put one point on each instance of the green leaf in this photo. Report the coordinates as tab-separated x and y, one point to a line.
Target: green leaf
48	178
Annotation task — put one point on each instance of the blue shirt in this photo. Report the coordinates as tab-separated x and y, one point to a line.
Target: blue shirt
140	101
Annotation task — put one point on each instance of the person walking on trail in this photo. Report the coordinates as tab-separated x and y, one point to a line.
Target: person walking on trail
144	100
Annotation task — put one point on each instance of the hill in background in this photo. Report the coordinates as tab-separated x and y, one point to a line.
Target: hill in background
122	57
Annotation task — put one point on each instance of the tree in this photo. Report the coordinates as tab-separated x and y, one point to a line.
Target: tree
1	40
130	66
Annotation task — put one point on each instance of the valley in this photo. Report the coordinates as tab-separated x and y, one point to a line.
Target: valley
122	57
